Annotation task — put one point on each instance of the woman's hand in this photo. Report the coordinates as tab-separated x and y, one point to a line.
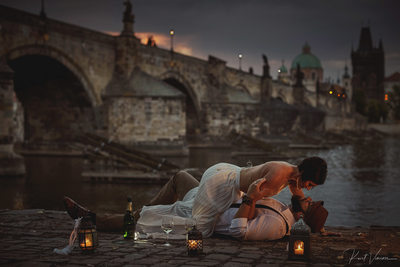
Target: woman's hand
255	192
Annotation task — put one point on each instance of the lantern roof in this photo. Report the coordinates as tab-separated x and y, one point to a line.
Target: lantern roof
300	228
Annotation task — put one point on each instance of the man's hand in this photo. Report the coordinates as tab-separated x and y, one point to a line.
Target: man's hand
255	192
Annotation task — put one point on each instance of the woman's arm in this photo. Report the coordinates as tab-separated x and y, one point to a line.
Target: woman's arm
247	209
295	190
254	193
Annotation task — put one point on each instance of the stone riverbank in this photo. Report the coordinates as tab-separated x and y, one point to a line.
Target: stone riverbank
28	237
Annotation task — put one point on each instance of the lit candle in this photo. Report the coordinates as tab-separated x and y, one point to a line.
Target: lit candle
299	250
192	244
87	242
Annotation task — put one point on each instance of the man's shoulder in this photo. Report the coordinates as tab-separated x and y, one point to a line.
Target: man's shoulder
266	226
273	203
279	163
278	166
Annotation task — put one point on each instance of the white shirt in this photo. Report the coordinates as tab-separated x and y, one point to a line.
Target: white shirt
266	225
218	189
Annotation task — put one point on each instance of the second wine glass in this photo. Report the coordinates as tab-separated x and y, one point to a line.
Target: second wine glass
167	226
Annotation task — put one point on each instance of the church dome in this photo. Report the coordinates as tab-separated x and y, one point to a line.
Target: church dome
282	69
306	59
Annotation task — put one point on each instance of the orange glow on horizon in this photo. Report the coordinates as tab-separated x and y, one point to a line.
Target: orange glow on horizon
162	41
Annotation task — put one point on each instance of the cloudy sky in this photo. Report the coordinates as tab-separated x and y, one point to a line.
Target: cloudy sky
225	28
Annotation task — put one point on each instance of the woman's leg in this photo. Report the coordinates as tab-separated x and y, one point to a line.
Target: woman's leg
175	189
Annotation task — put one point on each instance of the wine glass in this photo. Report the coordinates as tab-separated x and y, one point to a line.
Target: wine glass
167	225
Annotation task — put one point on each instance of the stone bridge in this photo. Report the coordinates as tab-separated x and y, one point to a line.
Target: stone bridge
68	80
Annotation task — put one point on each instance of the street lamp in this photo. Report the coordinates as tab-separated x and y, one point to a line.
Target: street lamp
171	33
240	56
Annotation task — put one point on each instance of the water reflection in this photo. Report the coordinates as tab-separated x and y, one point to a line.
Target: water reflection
361	186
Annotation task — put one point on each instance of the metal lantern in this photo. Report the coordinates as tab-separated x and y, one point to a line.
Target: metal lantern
87	235
194	242
299	241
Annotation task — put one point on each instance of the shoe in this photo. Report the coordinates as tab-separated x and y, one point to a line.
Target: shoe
76	211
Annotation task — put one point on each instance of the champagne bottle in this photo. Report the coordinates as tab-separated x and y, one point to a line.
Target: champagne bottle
129	221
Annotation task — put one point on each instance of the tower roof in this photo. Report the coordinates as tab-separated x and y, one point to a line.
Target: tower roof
306	59
365	43
346	72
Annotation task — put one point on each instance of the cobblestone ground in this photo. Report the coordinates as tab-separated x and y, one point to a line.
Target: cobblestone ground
28	237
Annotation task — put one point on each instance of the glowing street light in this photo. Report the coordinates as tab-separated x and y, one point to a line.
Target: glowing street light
240	56
172	33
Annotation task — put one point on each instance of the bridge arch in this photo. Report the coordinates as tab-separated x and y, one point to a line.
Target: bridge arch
193	118
188	90
61	57
56	104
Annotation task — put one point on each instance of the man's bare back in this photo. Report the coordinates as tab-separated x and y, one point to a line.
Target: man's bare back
278	174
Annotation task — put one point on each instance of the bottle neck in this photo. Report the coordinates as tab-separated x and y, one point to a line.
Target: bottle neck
129	207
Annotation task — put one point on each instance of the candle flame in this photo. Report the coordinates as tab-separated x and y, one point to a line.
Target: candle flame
299	248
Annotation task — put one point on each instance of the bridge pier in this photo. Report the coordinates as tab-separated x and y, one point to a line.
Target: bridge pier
11	164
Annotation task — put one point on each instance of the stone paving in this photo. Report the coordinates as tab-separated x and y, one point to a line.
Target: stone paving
28	237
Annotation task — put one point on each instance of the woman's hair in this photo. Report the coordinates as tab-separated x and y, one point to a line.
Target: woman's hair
313	169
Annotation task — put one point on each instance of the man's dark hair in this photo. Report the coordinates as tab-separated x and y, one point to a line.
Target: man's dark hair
296	203
313	169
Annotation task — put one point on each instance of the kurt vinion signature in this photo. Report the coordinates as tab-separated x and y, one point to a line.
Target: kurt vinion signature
367	257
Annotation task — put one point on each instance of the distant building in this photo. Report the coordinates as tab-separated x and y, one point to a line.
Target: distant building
317	92
368	68
311	67
391	81
346	82
283	74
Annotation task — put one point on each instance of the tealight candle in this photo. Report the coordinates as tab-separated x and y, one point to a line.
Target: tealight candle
299	249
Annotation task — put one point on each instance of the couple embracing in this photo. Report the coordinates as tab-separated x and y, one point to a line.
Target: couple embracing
233	201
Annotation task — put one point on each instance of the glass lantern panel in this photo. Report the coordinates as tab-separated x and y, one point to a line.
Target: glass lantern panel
298	247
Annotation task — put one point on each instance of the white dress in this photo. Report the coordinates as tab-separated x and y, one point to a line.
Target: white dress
219	187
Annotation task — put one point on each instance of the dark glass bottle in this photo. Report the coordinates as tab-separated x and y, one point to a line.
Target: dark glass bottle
129	221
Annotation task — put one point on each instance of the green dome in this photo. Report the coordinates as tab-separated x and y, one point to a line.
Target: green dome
306	59
282	69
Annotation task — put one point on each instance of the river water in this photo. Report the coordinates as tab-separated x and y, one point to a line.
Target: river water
362	187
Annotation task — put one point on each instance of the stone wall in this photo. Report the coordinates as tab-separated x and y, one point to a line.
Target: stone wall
239	78
146	120
188	71
220	120
44	122
341	123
